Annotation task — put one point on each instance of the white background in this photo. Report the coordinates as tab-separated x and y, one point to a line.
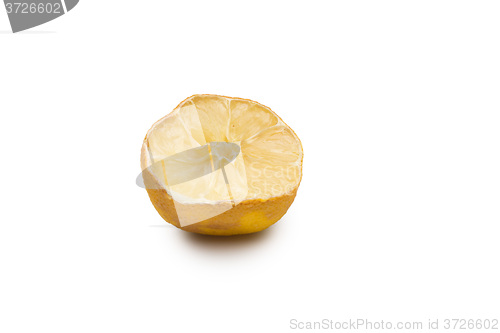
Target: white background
397	217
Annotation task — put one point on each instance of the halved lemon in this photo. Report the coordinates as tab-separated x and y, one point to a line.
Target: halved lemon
221	166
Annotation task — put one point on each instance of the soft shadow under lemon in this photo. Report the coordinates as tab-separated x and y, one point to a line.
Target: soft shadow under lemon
226	244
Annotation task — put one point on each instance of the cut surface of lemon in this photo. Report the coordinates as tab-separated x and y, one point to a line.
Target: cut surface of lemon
221	166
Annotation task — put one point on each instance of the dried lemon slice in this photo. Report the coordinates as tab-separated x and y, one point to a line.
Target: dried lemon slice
221	166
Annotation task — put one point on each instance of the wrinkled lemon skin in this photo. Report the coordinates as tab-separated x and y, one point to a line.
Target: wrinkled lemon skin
249	216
